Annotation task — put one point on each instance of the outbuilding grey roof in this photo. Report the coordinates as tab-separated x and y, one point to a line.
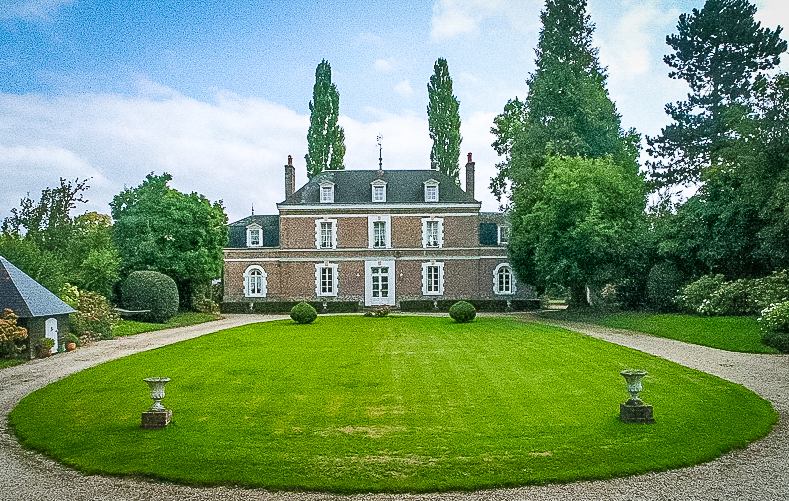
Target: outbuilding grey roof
238	231
402	186
26	297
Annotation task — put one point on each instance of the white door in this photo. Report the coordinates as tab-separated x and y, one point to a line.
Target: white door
379	283
51	327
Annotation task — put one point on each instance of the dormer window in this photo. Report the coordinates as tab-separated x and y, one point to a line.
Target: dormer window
327	192
379	190
431	190
254	235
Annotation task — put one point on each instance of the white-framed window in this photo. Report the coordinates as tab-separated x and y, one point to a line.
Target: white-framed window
503	279
327	192
325	233
433	232
255	281
379	231
254	235
379	190
504	235
432	278
325	279
431	190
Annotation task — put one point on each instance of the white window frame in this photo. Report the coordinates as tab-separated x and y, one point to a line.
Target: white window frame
426	282
425	242
263	281
496	289
332	269
250	229
380	187
326	187
371	220
318	240
430	195
506	239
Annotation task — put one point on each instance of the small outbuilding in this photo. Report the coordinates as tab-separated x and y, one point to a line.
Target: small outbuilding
42	313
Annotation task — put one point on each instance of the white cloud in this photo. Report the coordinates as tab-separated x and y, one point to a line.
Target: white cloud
452	18
30	9
404	88
382	65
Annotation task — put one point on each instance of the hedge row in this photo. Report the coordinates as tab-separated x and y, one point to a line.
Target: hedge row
269	307
480	304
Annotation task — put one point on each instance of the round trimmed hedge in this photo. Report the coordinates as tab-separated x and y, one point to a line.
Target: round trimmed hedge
303	313
150	290
463	312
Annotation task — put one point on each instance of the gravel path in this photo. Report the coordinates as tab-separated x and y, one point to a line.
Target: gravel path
760	472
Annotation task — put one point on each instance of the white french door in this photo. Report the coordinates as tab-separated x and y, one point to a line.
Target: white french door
379	279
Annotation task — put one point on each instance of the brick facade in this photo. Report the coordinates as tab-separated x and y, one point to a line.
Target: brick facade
326	250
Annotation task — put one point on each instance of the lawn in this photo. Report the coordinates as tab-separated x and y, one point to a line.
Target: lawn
726	333
131	327
397	404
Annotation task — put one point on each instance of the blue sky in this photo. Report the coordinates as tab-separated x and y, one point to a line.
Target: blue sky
216	93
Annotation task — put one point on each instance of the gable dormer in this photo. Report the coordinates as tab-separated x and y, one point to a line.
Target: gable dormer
378	191
254	235
326	192
431	190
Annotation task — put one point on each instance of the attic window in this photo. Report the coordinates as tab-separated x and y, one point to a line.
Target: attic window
254	235
379	190
327	192
431	190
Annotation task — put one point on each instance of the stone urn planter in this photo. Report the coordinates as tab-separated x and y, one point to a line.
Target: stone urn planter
635	410
71	346
157	417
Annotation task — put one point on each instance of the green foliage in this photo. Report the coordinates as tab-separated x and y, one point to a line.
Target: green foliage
718	51
303	313
663	285
713	296
12	336
161	229
580	222
150	290
774	321
463	312
443	119
44	347
321	406
567	111
95	318
325	139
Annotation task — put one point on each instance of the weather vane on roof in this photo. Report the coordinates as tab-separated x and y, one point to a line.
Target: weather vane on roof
380	150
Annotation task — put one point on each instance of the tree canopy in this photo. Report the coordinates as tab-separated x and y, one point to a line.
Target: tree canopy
161	229
325	139
719	51
443	118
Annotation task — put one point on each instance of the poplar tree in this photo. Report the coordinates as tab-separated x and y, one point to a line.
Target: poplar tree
443	119
719	51
325	139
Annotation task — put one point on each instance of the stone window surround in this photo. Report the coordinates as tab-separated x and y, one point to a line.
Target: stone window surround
431	190
378	187
318	233
319	267
326	192
440	222
496	271
425	282
248	274
371	220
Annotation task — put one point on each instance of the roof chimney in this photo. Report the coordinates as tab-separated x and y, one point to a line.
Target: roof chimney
470	177
290	178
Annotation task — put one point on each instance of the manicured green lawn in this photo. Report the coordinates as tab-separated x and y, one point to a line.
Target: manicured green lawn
354	404
726	333
10	363
131	327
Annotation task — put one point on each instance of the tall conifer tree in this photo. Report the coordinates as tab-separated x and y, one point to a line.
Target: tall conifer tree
325	139
719	51
443	118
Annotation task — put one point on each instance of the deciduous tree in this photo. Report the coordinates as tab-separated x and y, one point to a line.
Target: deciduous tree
325	139
443	119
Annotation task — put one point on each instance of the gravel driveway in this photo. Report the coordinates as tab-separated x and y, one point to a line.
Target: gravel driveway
760	472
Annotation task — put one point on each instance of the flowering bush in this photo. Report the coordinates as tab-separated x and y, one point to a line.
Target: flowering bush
95	317
12	336
712	295
774	322
692	297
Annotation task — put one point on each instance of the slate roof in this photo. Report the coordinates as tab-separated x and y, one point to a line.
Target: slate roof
238	231
26	297
402	186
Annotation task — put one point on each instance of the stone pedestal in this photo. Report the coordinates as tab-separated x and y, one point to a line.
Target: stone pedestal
156	420
635	411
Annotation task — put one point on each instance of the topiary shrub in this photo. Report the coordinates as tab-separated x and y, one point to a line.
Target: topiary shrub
462	312
303	313
150	290
663	284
